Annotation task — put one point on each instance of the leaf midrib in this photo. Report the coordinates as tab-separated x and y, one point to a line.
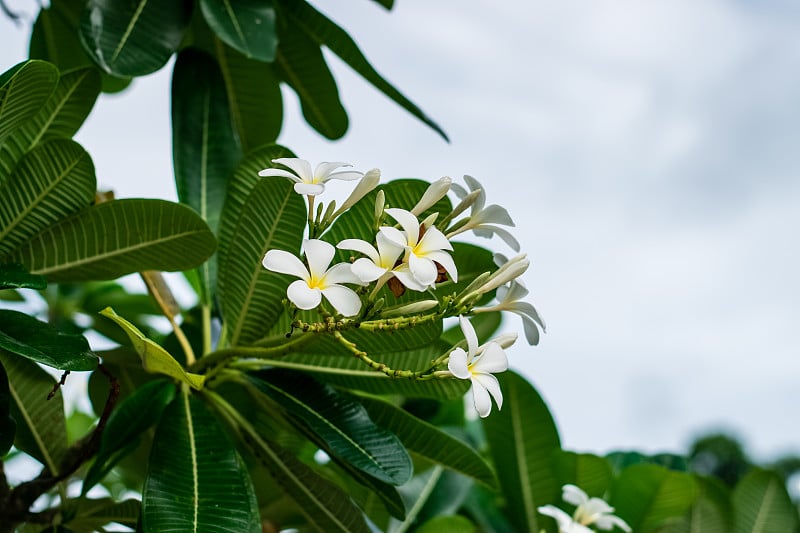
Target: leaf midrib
766	501
50	463
519	445
125	36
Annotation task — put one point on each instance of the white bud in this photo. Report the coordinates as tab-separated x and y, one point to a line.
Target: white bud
410	309
364	187
514	268
433	194
380	204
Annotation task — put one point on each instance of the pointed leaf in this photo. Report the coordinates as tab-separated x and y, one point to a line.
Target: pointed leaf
92	515
115	238
155	359
761	504
711	512
589	472
8	427
24	89
196	481
341	422
522	440
51	182
245	25
15	276
325	32
38	341
41	428
133	38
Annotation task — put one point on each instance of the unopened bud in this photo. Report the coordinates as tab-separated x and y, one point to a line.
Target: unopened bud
364	187
505	340
430	220
380	204
410	309
435	192
511	270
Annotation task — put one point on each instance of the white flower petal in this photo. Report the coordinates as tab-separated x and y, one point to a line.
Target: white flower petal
366	270
303	296
531	331
474	185
309	189
301	167
525	308
471	337
325	169
407	278
279	172
319	255
360	246
562	519
460	191
344	175
494	214
444	259
284	262
423	269
508	238
343	299
608	522
493	359
408	222
481	399
388	250
489	383
574	495
341	273
394	235
433	240
457	364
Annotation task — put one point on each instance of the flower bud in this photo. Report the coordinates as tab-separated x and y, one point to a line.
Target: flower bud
364	187
380	205
433	194
410	309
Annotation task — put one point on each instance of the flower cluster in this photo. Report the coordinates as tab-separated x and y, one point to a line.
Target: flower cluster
408	253
589	511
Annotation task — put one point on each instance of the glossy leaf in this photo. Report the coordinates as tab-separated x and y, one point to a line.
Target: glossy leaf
254	96
272	217
24	89
342	424
196	481
51	182
648	496
41	428
17	277
133	38
38	341
204	146
132	416
60	117
93	514
325	32
522	439
711	512
155	359
589	472
8	426
428	441
245	25
125	236
761	504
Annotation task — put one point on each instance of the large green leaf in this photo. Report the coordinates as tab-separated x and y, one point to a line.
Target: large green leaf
115	238
133	38
38	341
196	481
8	426
325	32
245	25
204	146
51	182
41	428
762	505
272	217
589	472
523	439
648	496
342	424
24	89
15	276
61	117
448	524
300	64
428	441
254	95
711	512
90	515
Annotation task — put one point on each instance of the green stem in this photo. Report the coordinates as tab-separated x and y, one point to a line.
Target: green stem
206	309
255	352
381	367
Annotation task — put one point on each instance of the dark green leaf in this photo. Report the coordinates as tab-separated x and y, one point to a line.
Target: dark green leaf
343	425
196	481
126	236
24	89
8	427
388	4
35	340
93	514
762	505
522	439
589	472
133	38
15	276
245	25
484	508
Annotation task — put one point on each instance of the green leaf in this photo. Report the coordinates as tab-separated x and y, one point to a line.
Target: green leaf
522	439
387	4
38	341
155	359
204	146
620	460
325	32
93	514
133	38
272	217
60	117
648	496
447	524
24	89
761	504
343	425
301	65
711	512
14	276
589	472
254	95
51	182
126	236
196	481
428	441
245	25
41	428
132	416
8	427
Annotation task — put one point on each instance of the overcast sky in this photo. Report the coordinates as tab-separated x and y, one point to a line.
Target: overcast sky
648	152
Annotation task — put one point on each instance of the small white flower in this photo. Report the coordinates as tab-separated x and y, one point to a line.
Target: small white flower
381	263
306	182
421	253
478	364
510	299
483	219
317	280
589	511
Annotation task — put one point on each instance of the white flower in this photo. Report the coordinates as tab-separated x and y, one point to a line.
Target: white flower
307	182
478	364
317	280
510	299
589	511
381	263
422	251
483	219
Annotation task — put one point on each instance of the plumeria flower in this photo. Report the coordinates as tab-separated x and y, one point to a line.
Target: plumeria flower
317	280
478	364
424	245
483	219
307	182
510	299
589	511
381	262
